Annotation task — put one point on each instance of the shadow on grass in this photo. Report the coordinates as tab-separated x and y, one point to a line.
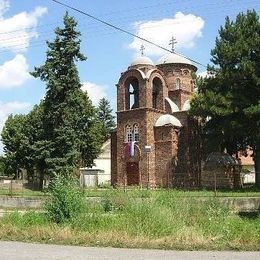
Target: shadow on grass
249	215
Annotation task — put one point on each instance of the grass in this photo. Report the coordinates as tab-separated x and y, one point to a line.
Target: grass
245	192
99	192
21	193
142	219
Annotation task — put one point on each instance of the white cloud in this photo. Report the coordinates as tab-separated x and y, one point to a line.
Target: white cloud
14	32
14	72
205	74
185	28
95	92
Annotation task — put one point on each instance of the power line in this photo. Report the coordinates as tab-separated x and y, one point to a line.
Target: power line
211	6
27	28
37	43
123	30
8	38
129	18
27	35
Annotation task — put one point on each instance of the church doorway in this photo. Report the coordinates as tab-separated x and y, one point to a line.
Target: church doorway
132	173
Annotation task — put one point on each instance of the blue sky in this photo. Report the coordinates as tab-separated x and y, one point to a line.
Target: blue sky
26	25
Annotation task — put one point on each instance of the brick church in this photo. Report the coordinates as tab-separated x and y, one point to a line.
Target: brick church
156	143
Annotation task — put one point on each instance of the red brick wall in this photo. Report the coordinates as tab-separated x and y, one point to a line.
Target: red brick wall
174	159
225	178
146	119
182	72
166	141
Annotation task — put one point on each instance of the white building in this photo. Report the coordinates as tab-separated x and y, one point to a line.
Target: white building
100	173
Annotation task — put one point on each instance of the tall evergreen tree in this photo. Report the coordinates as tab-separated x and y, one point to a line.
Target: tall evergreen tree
106	118
231	98
72	133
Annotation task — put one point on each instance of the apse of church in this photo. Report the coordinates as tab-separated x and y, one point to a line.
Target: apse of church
156	142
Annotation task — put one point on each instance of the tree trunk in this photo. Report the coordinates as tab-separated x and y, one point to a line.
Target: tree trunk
257	167
41	181
41	175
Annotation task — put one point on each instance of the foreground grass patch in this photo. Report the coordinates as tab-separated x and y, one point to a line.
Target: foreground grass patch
147	220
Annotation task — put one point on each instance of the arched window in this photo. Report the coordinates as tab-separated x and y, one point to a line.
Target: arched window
178	83
128	134
132	93
131	96
157	95
136	133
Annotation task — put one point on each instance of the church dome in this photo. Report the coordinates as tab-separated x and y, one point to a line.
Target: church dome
171	58
142	60
173	106
168	119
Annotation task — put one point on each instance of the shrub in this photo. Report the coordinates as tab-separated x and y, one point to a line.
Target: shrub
66	200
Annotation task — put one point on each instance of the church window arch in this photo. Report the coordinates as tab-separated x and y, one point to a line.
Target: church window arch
128	134
132	93
136	132
178	83
157	94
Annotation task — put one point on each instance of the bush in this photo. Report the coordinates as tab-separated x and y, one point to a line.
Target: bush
66	200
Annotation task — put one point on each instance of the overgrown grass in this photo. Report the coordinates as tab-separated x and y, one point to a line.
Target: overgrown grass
243	192
25	192
142	219
99	192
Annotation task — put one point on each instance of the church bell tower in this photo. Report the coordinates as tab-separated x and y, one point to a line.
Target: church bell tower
151	117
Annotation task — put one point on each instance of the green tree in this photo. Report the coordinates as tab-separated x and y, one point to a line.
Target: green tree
38	149
23	139
230	99
106	118
71	131
2	165
15	141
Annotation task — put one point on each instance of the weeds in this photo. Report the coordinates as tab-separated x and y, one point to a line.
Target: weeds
142	219
65	200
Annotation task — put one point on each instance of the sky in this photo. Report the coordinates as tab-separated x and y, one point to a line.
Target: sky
26	25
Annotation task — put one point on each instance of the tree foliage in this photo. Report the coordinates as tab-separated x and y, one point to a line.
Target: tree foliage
106	118
23	139
16	144
2	165
62	133
71	132
230	98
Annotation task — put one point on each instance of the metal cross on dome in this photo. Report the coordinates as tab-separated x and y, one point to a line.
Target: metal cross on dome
172	43
142	48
